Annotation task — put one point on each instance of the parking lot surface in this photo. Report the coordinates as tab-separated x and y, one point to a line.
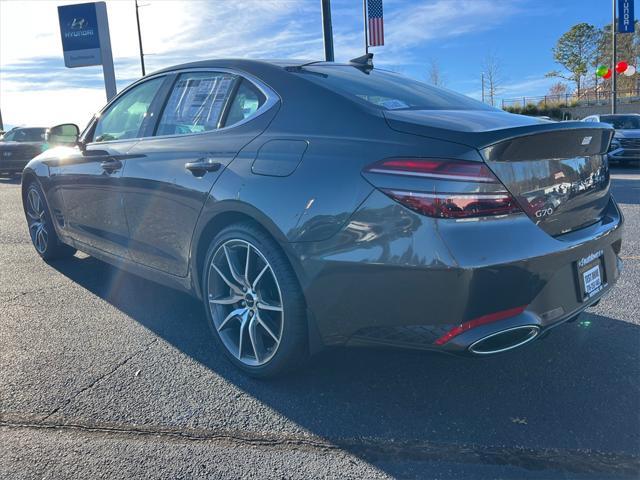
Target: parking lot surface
106	375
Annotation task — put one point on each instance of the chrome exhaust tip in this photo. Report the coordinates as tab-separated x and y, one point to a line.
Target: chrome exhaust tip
504	340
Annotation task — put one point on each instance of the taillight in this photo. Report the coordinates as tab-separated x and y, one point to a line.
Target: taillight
440	201
438	169
454	205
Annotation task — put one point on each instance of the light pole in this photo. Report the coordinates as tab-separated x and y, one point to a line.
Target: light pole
327	30
613	60
140	39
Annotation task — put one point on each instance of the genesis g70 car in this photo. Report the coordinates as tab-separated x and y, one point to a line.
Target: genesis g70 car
318	204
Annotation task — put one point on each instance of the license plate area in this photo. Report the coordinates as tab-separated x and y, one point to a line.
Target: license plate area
591	278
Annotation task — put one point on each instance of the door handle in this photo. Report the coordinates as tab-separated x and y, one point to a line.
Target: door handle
202	166
111	164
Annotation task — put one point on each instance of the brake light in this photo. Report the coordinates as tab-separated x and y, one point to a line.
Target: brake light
454	205
460	170
476	322
434	202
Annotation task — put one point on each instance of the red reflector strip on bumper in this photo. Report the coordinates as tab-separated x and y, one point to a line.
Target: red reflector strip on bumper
476	322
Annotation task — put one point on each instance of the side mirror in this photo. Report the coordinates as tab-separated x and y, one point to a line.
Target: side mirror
65	134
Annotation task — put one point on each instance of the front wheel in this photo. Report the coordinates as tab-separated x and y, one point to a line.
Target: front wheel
41	230
254	304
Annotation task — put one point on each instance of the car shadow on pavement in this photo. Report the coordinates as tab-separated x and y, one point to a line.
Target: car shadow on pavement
575	390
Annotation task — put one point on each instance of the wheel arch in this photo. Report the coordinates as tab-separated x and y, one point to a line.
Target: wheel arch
213	221
225	213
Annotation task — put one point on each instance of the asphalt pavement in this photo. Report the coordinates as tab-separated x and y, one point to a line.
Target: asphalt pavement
107	375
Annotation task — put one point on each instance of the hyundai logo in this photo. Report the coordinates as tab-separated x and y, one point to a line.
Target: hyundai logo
78	24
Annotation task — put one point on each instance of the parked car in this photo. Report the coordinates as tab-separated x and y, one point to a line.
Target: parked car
317	204
18	146
625	146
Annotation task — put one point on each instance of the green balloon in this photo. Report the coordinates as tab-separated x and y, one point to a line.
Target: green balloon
601	70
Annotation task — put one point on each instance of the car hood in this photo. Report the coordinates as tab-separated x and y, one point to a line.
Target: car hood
13	145
627	134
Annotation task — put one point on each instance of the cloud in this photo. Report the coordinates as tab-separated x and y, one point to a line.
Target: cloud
33	77
529	87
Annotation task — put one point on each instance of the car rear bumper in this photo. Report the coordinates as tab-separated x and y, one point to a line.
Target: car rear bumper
394	277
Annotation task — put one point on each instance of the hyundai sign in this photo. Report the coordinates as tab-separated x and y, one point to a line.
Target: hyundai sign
84	30
626	18
80	36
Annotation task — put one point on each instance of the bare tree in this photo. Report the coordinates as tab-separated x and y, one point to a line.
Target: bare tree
492	78
558	89
434	75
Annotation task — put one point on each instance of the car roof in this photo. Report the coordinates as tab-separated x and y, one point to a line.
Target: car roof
249	65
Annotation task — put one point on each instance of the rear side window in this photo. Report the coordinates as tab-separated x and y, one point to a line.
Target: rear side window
247	101
387	90
196	103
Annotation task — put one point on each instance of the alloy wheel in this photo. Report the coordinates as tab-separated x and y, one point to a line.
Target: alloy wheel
245	302
37	221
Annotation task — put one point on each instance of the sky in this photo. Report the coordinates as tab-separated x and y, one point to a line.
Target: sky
36	89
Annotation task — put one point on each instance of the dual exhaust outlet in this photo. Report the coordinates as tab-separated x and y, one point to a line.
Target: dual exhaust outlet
505	340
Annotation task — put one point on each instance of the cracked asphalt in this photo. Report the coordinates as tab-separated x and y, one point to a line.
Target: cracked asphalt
106	375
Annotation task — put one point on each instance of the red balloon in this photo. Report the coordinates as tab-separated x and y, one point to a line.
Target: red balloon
608	74
621	67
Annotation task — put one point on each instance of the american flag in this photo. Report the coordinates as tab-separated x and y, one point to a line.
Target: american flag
376	23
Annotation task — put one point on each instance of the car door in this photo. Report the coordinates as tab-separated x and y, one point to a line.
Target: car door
207	118
89	182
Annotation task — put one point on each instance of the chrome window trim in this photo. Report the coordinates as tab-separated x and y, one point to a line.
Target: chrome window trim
271	99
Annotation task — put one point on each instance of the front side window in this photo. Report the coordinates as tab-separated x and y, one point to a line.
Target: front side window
124	117
196	103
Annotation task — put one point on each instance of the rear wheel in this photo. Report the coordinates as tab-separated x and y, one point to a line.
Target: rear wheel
41	230
253	301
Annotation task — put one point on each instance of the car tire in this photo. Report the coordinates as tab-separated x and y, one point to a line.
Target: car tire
241	304
41	229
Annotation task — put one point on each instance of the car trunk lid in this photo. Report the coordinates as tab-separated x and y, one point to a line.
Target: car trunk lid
556	171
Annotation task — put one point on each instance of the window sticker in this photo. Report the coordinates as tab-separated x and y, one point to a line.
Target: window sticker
195	104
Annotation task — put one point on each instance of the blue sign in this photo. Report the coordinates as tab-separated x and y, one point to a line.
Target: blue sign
80	37
626	19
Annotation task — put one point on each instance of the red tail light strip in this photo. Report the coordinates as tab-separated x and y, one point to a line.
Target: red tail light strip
459	170
456	205
476	322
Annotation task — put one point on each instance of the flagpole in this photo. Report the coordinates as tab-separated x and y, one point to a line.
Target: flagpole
366	36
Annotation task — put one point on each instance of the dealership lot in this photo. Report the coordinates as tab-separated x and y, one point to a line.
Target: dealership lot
106	374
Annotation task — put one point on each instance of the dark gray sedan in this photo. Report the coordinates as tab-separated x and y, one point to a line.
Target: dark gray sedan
318	204
18	146
625	146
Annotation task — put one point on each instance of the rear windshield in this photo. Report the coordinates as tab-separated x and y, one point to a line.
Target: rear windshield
388	90
622	122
